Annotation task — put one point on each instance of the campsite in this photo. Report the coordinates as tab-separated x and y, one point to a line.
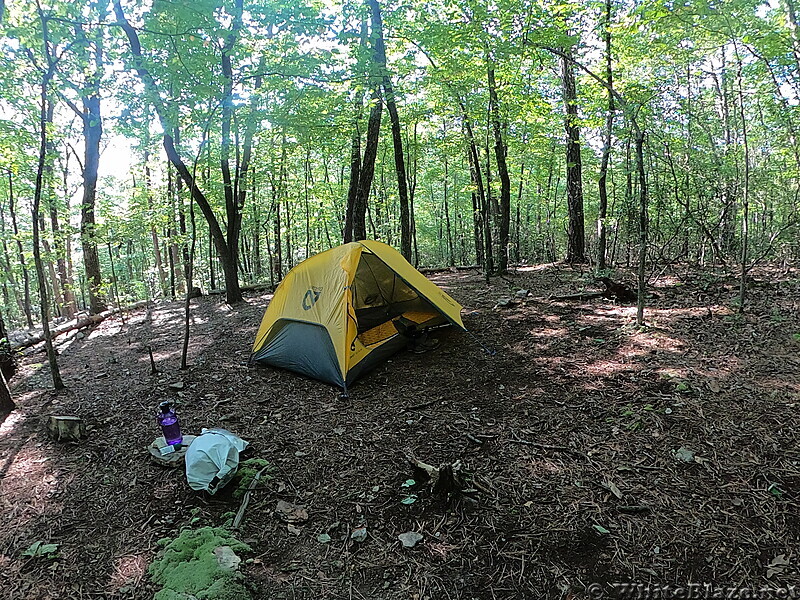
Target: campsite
571	430
399	300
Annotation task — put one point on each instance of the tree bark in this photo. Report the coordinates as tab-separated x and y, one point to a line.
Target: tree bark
26	280
397	140
226	256
92	135
502	171
37	199
7	369
478	196
575	234
603	206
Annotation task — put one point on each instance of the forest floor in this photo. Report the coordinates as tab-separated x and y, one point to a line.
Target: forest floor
604	453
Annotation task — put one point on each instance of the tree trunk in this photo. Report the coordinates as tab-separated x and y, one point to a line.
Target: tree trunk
92	135
478	196
367	170
355	173
6	401
25	275
37	199
642	283
397	141
575	234
502	171
226	256
7	369
603	206
162	276
744	258
487	213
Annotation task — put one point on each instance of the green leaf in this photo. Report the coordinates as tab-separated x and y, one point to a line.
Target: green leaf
409	499
601	529
408	483
39	548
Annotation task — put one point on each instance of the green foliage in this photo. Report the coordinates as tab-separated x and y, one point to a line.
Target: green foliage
188	567
245	474
39	548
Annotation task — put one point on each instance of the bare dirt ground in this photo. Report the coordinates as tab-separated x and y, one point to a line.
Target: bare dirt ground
603	453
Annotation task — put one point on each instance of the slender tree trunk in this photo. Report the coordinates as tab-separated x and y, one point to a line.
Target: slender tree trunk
487	219
397	141
162	276
37	256
744	259
412	178
188	301
478	195
70	306
451	257
355	173
226	255
502	172
7	266
642	283
575	236
603	206
367	170
26	280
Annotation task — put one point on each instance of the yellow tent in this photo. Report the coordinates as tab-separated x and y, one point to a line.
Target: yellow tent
339	313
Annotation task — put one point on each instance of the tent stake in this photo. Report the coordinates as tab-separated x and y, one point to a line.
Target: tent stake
486	349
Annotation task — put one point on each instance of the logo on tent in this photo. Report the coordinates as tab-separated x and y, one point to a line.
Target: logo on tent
311	297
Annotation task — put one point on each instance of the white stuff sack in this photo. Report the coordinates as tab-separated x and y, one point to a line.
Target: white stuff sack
212	459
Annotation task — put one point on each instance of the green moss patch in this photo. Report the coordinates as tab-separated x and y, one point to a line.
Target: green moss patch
188	567
247	471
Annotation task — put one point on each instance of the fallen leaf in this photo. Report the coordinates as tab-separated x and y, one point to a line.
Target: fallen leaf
324	538
359	534
292	529
713	385
291	513
601	529
611	487
684	455
410	538
777	565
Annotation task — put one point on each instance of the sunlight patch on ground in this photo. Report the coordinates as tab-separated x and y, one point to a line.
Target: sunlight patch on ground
652	342
128	571
548	333
606	367
11	422
108	330
535	268
539	467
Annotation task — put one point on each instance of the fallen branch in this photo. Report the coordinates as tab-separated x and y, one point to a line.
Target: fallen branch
581	296
237	520
76	324
550	447
256	287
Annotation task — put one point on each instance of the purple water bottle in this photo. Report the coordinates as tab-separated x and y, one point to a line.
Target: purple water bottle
170	426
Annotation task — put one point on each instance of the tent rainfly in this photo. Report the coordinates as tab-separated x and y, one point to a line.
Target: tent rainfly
340	313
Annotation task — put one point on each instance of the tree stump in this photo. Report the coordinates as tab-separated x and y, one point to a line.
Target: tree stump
66	428
172	459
